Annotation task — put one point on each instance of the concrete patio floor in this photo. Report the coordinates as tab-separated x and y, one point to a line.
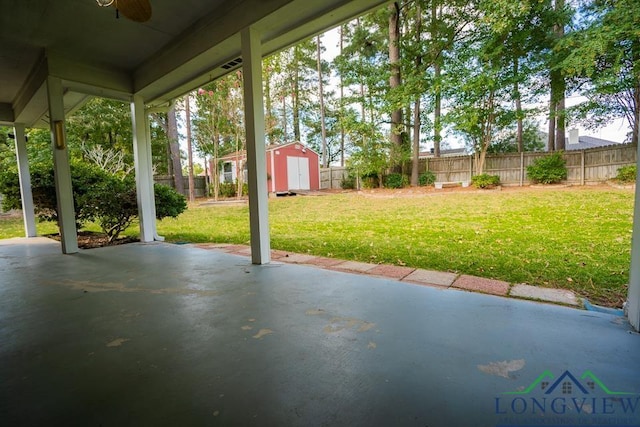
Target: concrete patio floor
162	334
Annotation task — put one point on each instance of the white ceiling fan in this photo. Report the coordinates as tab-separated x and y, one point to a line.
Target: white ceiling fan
135	10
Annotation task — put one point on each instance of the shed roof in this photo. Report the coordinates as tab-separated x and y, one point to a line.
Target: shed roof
242	153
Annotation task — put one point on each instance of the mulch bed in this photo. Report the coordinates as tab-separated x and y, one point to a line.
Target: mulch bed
92	239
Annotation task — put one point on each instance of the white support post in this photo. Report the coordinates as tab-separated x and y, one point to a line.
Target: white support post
633	296
62	171
256	150
25	181
144	171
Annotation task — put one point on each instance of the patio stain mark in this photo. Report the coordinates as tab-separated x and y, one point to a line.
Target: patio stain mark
338	324
366	326
246	328
117	342
372	345
262	332
503	368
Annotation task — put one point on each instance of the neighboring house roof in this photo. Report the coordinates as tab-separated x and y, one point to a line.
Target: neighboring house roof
448	152
585	142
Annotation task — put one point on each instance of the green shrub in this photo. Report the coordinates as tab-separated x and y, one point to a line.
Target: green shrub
10	189
348	182
169	203
229	189
485	180
396	180
427	178
97	195
111	203
370	182
627	174
548	170
84	178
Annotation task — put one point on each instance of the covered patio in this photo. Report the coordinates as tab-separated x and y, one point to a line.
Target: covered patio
159	334
162	334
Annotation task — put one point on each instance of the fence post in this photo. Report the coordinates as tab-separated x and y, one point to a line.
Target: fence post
470	167
521	168
582	168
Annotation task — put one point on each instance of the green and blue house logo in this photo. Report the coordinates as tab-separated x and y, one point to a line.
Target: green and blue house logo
568	400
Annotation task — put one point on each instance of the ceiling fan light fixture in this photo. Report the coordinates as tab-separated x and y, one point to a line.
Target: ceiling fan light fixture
105	3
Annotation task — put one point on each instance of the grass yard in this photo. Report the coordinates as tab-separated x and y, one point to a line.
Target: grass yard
572	238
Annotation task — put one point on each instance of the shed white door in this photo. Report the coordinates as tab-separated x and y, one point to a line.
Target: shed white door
298	173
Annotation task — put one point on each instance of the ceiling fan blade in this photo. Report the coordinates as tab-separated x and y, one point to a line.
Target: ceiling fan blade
136	10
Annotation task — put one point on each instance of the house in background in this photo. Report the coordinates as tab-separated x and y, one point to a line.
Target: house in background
578	142
290	167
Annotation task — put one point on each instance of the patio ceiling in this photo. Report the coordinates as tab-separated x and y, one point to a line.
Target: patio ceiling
185	44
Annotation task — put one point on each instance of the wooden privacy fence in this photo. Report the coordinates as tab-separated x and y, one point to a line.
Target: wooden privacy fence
199	181
331	178
583	166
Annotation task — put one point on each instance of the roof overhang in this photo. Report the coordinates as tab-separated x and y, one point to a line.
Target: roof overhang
159	60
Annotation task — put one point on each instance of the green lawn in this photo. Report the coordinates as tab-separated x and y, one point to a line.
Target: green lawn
576	238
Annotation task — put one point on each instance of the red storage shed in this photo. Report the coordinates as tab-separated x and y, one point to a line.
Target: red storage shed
290	167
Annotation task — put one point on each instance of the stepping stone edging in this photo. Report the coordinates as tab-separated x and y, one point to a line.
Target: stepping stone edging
438	279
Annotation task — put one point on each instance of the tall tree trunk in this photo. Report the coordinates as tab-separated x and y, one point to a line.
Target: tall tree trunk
518	100
192	189
268	116
363	104
415	161
215	167
296	94
560	122
551	141
394	83
239	169
363	114
635	113
323	128
558	85
174	149
415	158
437	111
168	150
635	133
284	119
437	70
207	185
487	133
342	136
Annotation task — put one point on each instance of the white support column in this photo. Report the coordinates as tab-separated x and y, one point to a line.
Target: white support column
144	171
25	181
256	152
62	171
633	297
